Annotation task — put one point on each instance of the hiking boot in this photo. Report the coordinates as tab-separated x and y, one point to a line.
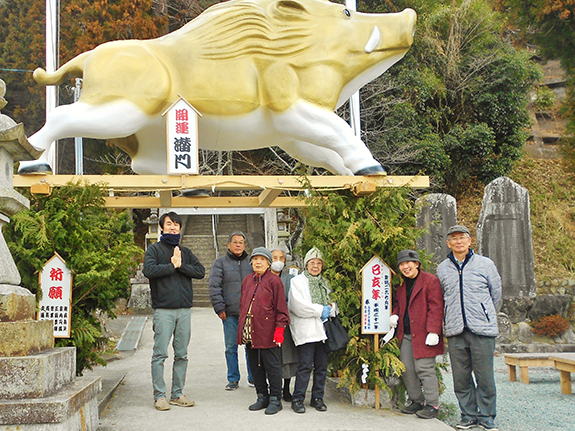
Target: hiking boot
161	404
232	386
262	402
318	404
428	412
274	407
412	408
297	406
466	424
488	424
182	401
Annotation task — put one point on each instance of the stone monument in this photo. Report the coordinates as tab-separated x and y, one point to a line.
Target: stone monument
504	235
438	213
38	387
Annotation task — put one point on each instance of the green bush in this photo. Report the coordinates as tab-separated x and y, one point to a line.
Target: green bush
98	247
544	99
349	230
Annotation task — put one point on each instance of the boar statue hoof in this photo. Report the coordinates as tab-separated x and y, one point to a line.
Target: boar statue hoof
42	168
372	170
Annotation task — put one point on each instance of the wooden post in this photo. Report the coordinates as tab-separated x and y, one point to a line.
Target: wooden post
376	349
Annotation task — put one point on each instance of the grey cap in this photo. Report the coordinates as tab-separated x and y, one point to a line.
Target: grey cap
407	256
261	251
457	228
236	233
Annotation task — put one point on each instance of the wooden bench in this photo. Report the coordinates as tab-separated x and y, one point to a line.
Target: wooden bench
565	363
524	361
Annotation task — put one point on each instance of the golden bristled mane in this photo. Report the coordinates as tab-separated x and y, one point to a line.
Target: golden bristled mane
243	29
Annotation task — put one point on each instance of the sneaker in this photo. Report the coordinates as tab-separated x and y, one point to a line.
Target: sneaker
161	404
182	401
428	412
412	408
466	424
488	424
318	404
232	386
297	406
251	384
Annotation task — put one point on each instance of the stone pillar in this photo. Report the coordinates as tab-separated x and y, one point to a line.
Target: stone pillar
504	235
38	387
438	213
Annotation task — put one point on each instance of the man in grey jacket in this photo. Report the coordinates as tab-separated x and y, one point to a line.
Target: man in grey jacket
226	276
472	292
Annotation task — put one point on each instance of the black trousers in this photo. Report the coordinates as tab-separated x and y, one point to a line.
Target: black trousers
266	366
312	357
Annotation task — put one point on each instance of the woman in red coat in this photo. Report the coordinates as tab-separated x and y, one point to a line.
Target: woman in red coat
418	316
262	321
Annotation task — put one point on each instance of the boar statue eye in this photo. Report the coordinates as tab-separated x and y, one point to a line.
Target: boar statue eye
347	12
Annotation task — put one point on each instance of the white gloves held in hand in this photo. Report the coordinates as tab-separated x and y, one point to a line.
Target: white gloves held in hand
432	339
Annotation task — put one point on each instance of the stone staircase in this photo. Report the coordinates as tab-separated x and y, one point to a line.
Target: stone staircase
198	236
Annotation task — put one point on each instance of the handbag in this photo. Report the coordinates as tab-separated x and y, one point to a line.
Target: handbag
337	336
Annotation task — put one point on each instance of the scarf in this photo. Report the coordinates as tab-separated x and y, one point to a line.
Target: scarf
318	289
172	239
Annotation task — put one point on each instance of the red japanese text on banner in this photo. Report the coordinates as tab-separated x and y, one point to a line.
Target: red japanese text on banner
376	297
56	286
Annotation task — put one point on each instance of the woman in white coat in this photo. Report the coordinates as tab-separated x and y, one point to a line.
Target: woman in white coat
309	306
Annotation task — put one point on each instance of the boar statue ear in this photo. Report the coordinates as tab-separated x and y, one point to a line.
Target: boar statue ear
289	9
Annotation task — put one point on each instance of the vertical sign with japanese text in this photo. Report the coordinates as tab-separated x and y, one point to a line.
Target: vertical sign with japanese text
56	286
376	297
182	137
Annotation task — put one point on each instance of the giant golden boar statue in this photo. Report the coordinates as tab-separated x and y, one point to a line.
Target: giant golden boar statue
261	72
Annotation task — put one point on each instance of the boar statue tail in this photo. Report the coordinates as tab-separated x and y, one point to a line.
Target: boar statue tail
73	69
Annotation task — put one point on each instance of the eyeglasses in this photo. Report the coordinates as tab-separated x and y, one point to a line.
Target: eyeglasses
459	238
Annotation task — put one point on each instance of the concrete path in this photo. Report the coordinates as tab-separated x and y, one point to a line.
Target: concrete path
131	406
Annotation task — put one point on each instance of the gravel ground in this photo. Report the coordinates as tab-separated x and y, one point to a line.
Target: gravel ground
538	406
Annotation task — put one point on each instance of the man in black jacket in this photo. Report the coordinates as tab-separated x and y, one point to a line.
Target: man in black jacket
170	269
226	276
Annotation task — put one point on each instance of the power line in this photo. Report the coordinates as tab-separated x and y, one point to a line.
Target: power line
16	70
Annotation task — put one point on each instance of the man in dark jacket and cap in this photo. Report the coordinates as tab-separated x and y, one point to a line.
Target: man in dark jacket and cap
170	268
226	276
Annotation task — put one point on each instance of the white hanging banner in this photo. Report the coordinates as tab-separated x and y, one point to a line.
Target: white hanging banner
182	138
56	302
376	297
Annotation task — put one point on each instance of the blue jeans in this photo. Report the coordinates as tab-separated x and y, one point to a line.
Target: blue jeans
230	339
167	323
476	394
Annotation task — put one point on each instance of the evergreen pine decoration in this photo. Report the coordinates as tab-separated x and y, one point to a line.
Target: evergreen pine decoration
349	230
98	247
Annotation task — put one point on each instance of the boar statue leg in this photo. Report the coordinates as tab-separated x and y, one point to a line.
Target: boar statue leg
314	155
322	128
110	120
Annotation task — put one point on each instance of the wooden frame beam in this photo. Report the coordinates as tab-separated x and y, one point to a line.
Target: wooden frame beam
163	186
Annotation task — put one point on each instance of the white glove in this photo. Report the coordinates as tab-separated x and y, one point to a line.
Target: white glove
393	319
432	339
